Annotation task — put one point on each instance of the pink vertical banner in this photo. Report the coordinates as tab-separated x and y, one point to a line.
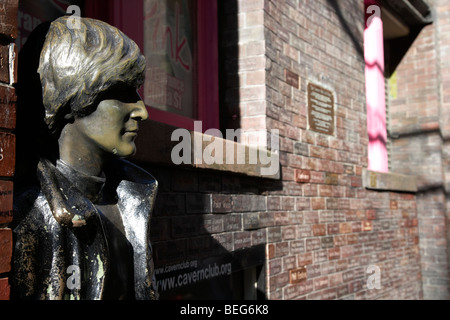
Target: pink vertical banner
375	87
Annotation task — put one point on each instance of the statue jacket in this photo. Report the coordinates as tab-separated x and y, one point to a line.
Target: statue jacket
63	247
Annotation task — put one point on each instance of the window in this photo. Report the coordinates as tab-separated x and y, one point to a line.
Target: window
179	40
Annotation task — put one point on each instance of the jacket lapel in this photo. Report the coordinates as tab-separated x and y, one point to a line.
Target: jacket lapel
135	202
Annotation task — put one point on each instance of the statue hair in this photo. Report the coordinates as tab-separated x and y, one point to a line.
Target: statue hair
81	61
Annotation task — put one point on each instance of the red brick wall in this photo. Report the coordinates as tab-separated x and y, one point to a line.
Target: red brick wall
328	228
327	225
341	228
420	118
8	57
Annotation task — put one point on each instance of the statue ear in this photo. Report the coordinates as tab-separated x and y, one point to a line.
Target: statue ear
69	118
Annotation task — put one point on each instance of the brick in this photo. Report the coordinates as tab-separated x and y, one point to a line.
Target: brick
4	64
221	203
251	221
339	240
292	78
184	181
243	239
302	203
274	234
303	231
213	223
5	250
167	204
319	229
325	191
320	283
281	218
345	227
245	203
198	203
313	270
186	226
326	242
281	249
201	246
318	204
289	262
4	289
8	18
270	251
6	202
312	244
287	203
250	5
259	237
288	233
223	243
255	78
301	149
273	203
209	183
302	176
8	101
232	223
334	253
275	266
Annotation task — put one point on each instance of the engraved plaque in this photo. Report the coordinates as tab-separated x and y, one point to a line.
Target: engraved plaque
367	225
320	109
302	176
297	275
292	78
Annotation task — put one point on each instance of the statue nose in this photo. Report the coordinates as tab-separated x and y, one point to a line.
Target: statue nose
139	112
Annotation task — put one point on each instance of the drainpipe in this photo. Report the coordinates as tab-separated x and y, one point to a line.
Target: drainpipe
375	87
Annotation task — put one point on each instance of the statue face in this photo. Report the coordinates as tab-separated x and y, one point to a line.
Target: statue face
113	126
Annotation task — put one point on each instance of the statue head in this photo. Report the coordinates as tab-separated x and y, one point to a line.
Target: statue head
90	76
78	66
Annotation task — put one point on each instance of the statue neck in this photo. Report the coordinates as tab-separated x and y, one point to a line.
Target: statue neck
90	186
80	153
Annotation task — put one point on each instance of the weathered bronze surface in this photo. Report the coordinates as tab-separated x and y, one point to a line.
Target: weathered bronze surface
82	226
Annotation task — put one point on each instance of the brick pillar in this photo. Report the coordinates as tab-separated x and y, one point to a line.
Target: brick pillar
8	67
420	115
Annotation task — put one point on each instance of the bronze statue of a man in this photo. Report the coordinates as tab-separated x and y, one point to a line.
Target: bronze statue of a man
83	231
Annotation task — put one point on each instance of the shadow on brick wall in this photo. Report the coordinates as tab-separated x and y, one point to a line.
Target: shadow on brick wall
206	220
348	24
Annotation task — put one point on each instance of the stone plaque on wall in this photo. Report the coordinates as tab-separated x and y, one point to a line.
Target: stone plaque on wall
297	275
320	109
